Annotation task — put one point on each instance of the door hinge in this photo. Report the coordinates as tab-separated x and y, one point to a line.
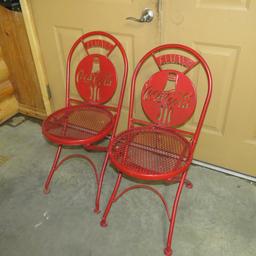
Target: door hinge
49	91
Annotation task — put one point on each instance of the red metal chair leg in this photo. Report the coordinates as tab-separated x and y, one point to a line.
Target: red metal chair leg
102	174
168	250
103	222
49	178
187	182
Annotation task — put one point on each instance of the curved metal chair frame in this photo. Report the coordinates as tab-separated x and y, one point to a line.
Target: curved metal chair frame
89	120
159	148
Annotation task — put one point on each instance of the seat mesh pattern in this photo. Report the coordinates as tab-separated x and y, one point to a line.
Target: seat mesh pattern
150	151
80	122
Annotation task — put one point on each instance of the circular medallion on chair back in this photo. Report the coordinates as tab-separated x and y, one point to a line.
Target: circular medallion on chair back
96	78
169	98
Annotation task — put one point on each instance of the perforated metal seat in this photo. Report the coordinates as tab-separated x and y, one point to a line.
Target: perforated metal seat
78	125
150	153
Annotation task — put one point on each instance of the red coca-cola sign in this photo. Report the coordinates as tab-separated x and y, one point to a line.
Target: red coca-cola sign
96	79
169	98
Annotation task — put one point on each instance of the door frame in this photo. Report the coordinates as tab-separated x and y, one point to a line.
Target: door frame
36	53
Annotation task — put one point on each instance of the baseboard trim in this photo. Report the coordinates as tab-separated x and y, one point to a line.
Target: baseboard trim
223	170
30	111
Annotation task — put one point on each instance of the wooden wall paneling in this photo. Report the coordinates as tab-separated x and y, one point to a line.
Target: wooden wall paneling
4	72
8	108
6	89
8	102
17	54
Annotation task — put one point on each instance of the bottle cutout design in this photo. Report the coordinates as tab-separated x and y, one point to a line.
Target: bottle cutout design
168	98
94	86
96	78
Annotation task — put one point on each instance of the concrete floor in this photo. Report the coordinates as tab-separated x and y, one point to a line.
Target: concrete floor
216	217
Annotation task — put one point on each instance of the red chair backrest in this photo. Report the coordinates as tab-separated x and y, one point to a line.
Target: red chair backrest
96	77
169	95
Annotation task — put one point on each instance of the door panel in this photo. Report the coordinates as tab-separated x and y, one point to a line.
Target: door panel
223	32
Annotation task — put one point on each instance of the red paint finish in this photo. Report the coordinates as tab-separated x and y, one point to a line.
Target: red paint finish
96	78
150	154
174	59
88	121
168	106
157	147
98	43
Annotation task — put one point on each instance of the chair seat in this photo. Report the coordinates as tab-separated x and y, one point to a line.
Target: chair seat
76	125
150	153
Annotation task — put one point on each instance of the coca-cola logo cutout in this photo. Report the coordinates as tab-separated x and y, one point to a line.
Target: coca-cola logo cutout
171	106
96	78
98	43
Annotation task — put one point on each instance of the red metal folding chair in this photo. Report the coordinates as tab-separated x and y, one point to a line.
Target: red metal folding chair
90	119
159	145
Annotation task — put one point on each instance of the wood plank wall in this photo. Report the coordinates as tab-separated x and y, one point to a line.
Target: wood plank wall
8	102
18	57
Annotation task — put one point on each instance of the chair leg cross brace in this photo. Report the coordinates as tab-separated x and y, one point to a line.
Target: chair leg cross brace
57	164
114	197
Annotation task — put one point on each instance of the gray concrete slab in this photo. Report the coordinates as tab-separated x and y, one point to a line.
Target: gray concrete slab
216	217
